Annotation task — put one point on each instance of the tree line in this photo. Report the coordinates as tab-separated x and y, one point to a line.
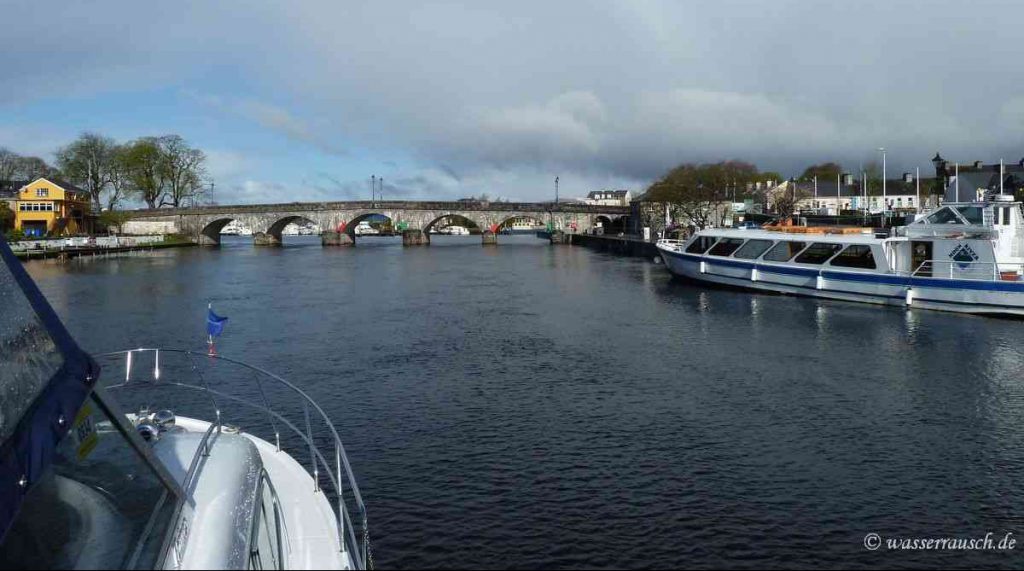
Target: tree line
159	171
701	193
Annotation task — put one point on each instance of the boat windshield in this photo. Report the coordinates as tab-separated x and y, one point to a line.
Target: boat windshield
91	508
944	215
76	493
29	356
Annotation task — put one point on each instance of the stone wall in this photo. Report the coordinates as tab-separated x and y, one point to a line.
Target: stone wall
140	227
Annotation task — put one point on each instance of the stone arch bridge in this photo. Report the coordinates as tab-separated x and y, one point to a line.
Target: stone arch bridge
267	221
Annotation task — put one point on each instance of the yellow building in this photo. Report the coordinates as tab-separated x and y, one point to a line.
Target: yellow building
52	207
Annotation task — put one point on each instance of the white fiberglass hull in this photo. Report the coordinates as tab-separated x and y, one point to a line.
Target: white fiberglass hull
964	296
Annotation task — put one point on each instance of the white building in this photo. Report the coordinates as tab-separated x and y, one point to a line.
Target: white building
609	198
825	198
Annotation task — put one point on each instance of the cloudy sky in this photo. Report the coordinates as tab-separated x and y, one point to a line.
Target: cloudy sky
305	100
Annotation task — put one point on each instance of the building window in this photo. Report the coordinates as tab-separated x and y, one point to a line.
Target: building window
42	192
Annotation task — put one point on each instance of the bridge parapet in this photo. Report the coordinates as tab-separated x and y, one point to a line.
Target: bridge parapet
383	205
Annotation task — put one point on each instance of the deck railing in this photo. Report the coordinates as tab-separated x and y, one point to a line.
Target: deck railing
254	389
983	271
674	245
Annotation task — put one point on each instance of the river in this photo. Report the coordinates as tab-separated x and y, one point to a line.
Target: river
532	405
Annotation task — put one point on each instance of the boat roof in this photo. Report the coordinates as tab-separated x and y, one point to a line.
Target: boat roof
44	379
797	236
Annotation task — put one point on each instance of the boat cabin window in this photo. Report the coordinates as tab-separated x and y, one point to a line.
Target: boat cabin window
783	251
973	214
818	253
90	509
726	246
944	215
700	244
1004	216
752	249
856	256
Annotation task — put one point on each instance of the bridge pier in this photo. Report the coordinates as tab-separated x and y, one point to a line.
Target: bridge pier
336	239
415	238
490	238
265	239
204	240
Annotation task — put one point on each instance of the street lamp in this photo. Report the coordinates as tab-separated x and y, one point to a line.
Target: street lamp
885	203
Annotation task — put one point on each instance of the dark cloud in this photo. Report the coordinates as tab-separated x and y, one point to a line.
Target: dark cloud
502	97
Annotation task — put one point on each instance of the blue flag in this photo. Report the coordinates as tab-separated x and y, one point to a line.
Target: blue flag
214	323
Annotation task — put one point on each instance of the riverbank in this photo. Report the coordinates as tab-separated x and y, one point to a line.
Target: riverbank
624	245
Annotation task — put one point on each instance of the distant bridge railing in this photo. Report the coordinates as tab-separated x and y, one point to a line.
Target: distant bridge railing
465	206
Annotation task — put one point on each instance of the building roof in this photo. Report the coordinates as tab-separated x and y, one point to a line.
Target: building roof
981	176
61	183
10	188
896	187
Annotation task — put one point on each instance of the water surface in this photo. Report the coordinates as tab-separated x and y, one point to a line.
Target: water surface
548	406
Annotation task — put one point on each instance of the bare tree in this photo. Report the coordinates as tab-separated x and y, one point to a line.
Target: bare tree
8	163
31	168
184	171
785	199
87	163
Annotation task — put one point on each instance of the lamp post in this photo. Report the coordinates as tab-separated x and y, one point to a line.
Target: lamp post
556	190
885	205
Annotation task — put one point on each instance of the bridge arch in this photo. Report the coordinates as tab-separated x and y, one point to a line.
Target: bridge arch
509	221
273	235
210	234
453	216
350	225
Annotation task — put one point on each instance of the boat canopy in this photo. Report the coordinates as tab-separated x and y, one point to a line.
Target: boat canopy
44	380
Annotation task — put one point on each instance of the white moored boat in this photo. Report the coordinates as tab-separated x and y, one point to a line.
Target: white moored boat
964	257
263	483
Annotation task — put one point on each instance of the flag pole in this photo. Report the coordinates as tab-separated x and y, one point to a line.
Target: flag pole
210	348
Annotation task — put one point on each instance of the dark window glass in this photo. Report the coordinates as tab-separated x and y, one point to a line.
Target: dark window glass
753	249
818	253
973	214
700	244
783	251
726	246
857	256
944	216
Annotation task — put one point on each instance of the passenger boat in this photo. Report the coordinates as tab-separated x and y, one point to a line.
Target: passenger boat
246	472
964	257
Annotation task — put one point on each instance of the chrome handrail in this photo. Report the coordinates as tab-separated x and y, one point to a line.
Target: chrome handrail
671	244
358	550
979	271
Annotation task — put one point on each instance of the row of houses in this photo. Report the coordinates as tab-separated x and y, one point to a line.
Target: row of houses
952	183
48	207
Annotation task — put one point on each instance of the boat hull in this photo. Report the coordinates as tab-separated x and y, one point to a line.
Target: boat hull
957	295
